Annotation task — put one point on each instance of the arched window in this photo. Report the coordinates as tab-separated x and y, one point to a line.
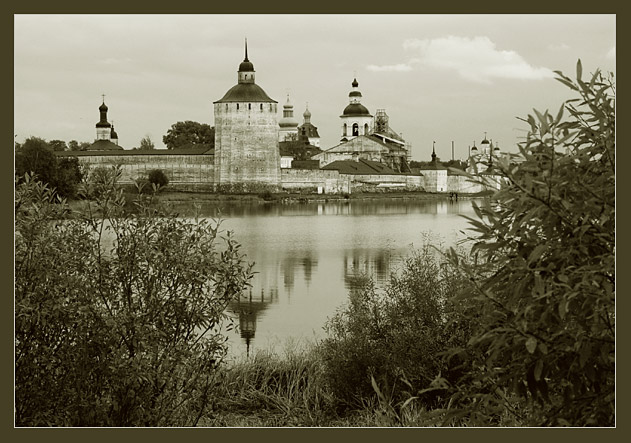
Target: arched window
237	106
355	129
261	106
226	106
249	106
345	129
270	107
366	129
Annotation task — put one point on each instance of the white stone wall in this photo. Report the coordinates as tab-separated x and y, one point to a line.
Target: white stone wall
246	143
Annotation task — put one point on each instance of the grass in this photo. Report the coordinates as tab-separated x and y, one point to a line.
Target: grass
289	390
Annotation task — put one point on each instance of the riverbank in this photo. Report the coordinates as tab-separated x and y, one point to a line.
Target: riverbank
286	197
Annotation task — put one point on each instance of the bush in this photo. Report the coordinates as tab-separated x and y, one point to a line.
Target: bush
158	178
388	343
545	272
117	318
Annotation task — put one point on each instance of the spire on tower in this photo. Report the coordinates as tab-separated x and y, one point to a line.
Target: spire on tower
246	50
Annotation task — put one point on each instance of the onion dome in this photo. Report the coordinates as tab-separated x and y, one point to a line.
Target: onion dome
355	94
288	120
356	109
355	83
113	134
307	114
485	141
475	148
103	123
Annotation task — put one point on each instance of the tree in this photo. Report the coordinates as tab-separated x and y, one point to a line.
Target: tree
189	134
147	143
545	275
36	157
117	316
74	145
58	145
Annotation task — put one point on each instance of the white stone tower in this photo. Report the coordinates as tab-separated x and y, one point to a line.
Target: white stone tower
356	119
288	124
246	135
103	127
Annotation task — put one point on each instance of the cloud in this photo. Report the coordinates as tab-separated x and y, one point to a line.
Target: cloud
611	54
401	67
558	47
475	59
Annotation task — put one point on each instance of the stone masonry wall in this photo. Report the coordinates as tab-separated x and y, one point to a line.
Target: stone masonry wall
246	144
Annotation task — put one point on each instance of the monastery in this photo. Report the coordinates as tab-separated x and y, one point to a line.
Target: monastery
255	151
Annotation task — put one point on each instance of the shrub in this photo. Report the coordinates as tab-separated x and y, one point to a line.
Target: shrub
545	272
158	178
389	342
117	317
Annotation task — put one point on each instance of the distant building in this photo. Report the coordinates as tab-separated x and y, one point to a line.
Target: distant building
356	118
106	137
288	125
435	174
246	134
481	159
307	131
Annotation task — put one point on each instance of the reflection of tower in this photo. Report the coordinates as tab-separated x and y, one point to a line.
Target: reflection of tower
373	263
308	264
248	308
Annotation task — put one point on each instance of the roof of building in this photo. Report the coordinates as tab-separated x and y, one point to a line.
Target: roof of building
189	151
433	166
356	109
104	145
305	164
310	130
361	167
246	92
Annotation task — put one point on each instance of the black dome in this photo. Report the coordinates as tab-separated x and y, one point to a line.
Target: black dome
354	84
246	92
246	66
356	109
103	108
355	94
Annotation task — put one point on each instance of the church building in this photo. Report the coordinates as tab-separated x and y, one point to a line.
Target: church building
106	137
356	118
246	134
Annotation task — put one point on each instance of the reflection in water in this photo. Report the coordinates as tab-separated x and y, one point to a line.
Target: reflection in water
306	257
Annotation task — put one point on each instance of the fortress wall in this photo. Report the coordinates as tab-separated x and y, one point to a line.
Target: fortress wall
332	182
185	172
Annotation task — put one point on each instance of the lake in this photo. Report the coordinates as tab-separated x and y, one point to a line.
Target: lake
306	255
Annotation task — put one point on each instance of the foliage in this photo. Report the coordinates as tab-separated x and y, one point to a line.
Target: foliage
117	316
158	178
36	157
58	145
146	143
389	342
189	134
545	272
74	145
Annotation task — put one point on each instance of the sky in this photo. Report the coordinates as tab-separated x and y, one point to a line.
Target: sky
442	79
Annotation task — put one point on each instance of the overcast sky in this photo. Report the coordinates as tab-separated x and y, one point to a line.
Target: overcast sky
440	78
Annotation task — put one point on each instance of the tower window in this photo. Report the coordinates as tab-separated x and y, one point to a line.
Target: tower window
261	106
345	129
366	129
249	106
355	129
226	106
270	107
237	106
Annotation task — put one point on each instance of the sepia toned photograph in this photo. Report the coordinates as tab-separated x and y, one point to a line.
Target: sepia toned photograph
314	220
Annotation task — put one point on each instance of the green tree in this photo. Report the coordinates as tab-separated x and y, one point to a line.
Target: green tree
36	157
58	145
74	145
545	272
189	134
147	143
117	316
